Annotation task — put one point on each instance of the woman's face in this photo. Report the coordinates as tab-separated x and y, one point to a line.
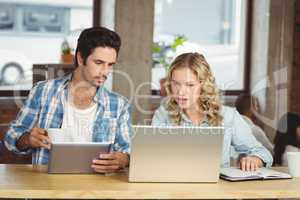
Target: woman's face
185	88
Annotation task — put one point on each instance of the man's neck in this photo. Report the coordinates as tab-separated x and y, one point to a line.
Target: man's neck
80	83
81	91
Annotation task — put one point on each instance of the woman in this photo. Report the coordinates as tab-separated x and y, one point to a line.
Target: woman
287	138
193	100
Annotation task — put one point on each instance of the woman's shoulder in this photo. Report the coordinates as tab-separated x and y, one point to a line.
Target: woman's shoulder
227	109
228	113
161	110
161	115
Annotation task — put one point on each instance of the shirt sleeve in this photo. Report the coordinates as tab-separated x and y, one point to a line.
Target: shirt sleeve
244	141
25	120
124	131
261	136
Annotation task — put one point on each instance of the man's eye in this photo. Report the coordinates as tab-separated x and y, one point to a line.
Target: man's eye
99	62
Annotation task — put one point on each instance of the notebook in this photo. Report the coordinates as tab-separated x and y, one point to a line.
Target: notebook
236	174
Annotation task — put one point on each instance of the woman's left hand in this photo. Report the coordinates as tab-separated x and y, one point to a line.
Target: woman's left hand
250	163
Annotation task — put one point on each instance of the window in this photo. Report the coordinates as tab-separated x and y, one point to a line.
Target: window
44	19
7	13
214	28
32	32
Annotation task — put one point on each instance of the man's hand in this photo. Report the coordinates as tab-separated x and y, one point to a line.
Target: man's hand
111	162
37	137
250	163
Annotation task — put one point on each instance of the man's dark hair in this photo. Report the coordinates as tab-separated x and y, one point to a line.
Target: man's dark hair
94	37
243	103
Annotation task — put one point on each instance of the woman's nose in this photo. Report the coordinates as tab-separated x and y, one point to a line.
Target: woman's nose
181	90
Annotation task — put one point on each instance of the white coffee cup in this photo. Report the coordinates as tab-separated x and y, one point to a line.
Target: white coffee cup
293	159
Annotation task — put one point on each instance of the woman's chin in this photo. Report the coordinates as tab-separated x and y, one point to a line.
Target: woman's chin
184	106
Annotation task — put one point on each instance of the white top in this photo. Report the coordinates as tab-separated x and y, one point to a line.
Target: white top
259	134
79	122
288	148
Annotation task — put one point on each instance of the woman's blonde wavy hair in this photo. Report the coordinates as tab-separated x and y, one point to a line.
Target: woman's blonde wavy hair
209	94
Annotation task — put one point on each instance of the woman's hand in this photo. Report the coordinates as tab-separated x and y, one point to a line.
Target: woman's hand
250	163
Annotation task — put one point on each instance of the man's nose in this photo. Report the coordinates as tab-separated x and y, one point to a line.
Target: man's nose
106	69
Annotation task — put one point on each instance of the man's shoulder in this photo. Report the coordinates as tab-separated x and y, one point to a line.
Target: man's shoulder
51	83
116	98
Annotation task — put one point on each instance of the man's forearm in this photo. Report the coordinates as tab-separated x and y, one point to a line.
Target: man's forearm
23	142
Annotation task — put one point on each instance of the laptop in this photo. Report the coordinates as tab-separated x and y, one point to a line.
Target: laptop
176	154
74	158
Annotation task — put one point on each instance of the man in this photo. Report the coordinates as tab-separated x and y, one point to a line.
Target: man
79	103
246	106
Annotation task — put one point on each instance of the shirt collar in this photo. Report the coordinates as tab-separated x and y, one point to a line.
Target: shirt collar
185	119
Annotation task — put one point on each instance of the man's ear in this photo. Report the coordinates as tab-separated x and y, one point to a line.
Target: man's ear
79	59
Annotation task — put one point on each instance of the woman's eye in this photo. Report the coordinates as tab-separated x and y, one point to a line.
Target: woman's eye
174	83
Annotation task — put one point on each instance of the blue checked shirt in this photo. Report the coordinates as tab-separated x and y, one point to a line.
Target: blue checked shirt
44	109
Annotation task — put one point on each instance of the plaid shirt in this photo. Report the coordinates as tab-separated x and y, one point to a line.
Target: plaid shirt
44	109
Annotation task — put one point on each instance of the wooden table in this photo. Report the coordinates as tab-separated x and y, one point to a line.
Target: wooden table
26	181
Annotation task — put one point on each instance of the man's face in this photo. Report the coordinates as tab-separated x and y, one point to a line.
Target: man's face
98	65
